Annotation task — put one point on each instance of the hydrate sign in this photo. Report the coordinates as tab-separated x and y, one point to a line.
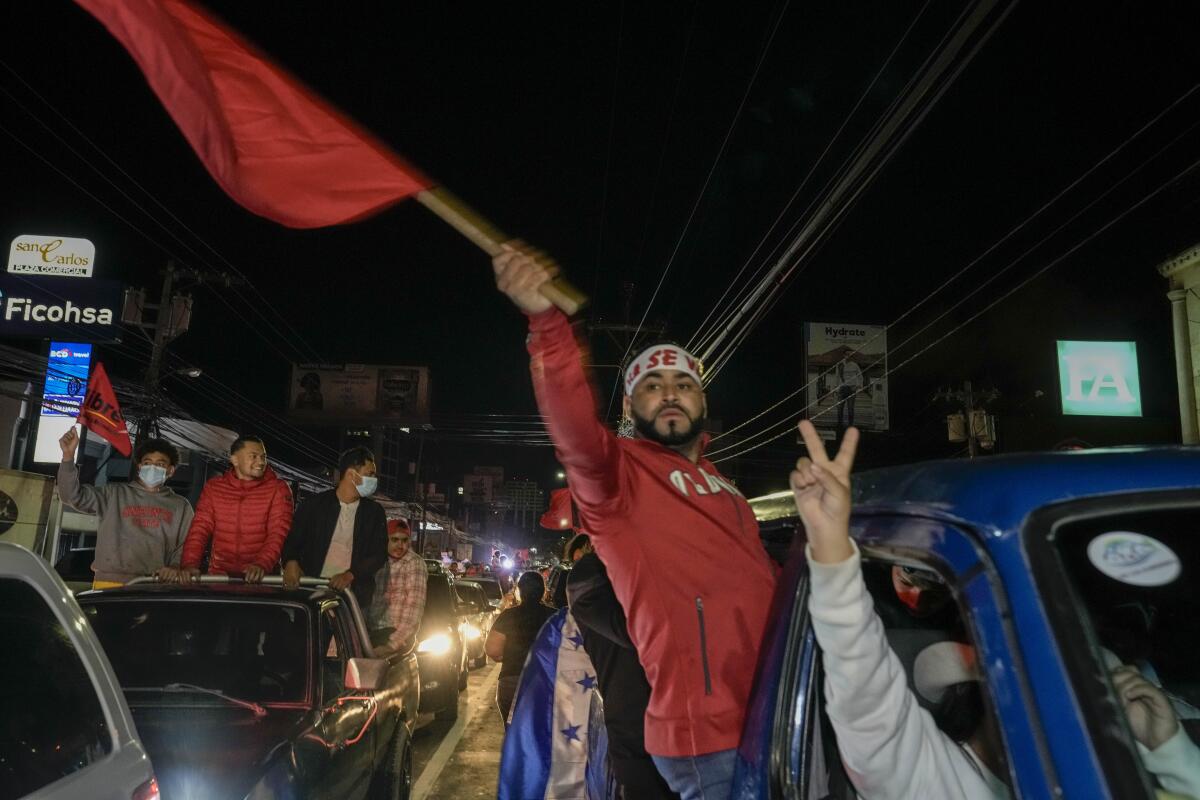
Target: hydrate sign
60	308
1099	379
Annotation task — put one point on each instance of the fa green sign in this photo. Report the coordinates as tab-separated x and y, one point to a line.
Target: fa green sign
1099	379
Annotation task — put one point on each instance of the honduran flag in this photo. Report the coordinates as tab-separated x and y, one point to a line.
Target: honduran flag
557	725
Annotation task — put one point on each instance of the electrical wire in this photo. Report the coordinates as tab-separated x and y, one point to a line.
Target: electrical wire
1012	232
1036	274
703	190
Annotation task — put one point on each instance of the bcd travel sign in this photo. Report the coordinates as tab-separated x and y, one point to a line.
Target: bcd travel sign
62	256
1099	379
60	308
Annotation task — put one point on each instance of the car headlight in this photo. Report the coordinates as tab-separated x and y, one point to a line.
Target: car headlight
438	645
470	632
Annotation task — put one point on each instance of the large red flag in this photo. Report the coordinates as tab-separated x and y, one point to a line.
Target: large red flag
101	414
271	144
561	513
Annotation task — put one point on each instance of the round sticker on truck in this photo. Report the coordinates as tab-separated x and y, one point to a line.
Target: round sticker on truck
1134	558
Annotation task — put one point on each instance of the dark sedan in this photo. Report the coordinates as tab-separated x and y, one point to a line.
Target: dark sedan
476	616
256	691
440	653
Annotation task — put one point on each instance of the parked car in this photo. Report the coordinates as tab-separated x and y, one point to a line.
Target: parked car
67	731
259	691
441	654
476	616
1054	566
493	589
75	568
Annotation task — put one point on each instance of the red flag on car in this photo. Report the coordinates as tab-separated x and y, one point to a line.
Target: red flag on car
271	144
101	414
561	514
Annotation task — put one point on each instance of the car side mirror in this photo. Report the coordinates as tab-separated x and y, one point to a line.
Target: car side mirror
365	674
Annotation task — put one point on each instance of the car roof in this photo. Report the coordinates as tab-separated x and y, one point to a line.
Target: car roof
996	493
311	596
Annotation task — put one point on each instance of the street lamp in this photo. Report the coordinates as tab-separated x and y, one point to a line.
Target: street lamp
562	476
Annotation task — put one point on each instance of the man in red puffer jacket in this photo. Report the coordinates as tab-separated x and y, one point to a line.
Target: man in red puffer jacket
246	513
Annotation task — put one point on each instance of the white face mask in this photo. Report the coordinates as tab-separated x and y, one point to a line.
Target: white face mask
152	475
368	486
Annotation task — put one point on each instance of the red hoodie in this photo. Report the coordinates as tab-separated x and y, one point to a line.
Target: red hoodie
682	549
246	520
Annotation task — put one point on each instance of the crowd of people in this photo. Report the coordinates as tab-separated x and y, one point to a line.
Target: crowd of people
247	524
674	650
696	628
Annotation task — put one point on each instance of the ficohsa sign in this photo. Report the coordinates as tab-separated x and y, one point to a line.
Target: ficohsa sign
30	254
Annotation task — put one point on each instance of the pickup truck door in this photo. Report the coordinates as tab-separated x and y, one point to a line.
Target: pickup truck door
345	724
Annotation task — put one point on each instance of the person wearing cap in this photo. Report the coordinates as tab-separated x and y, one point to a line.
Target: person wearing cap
890	746
698	626
399	598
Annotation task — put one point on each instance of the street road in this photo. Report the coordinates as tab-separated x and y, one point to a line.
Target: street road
461	759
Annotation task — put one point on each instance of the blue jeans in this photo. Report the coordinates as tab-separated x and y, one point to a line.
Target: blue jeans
706	777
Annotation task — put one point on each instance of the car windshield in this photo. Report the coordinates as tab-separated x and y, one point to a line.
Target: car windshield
491	590
438	604
1137	577
257	652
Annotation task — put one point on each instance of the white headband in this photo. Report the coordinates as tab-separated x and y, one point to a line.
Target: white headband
661	356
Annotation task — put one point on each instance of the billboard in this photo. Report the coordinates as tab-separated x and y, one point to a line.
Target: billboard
359	393
30	254
1099	379
65	386
60	308
845	369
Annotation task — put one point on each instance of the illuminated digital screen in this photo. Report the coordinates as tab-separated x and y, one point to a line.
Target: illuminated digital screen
1099	379
67	370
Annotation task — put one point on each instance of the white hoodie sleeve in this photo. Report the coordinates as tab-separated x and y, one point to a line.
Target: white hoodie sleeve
1176	764
891	747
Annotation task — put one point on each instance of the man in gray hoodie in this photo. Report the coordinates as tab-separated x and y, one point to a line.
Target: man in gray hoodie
142	523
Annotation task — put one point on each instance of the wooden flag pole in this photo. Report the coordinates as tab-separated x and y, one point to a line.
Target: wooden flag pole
489	238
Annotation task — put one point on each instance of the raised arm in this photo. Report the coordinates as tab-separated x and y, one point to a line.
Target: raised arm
881	731
86	499
585	447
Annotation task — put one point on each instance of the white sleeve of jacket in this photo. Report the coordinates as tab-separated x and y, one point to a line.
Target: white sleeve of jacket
1176	764
891	747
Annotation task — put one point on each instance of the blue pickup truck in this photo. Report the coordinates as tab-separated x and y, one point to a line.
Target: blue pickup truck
1053	566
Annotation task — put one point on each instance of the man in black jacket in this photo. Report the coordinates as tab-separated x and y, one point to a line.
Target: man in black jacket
340	534
619	675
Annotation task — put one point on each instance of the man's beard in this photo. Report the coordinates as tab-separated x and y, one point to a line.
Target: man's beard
675	437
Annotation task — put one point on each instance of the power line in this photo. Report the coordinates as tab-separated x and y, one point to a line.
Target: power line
1072	250
1012	232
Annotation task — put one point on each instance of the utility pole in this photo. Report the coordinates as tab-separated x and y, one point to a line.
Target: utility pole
971	425
172	316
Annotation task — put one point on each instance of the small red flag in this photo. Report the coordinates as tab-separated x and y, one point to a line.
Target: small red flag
271	144
101	414
561	514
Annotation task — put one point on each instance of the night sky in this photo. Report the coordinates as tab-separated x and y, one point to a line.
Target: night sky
590	129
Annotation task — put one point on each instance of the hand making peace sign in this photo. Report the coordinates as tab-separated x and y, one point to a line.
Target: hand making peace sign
821	487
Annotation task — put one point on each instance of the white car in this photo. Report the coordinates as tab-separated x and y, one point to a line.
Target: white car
65	730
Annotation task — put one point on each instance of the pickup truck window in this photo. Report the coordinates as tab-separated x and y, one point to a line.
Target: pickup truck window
53	722
1135	581
253	651
333	665
929	635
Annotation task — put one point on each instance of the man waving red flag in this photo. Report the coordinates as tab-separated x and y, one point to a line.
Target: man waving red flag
101	414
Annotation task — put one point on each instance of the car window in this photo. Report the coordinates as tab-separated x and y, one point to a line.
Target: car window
924	625
251	651
1135	587
52	723
336	648
439	599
